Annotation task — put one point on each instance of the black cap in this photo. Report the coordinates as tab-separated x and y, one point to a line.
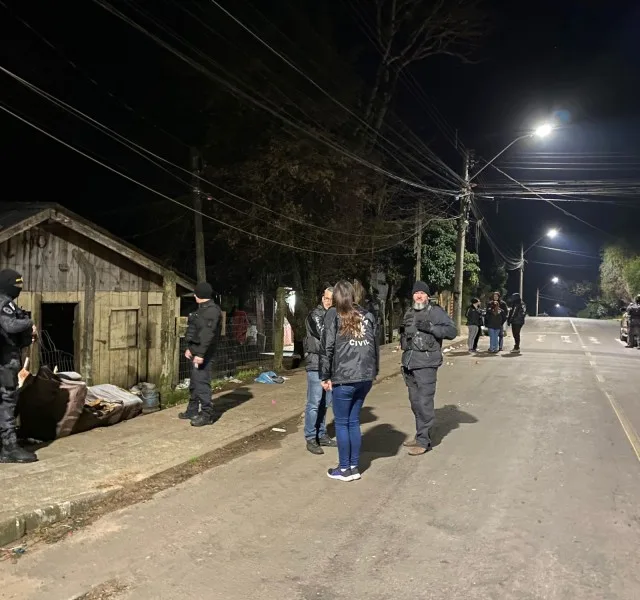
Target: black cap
203	290
10	283
420	286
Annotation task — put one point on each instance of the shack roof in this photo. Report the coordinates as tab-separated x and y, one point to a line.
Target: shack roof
17	217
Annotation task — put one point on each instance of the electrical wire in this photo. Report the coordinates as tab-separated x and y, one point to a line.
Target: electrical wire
207	216
285	119
147	154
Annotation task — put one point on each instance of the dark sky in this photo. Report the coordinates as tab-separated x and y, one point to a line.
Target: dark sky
576	58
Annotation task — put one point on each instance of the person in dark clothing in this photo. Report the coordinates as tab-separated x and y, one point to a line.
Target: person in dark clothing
516	319
17	331
474	323
633	313
315	429
504	309
202	337
423	328
495	323
349	363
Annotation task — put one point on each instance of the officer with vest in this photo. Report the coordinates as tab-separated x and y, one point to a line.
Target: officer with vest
202	337
424	327
633	312
16	332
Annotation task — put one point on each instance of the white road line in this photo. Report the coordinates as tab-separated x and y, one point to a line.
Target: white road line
594	340
627	426
566	339
540	338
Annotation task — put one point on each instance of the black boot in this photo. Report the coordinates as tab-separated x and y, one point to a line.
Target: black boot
187	416
12	453
202	419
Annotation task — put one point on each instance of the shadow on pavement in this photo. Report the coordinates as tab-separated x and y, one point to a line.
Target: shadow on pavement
449	418
460	353
230	400
511	354
381	441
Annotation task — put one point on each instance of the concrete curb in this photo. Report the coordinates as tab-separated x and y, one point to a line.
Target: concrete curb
14	528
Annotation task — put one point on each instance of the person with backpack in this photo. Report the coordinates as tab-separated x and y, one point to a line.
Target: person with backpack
633	312
423	328
349	363
474	324
516	319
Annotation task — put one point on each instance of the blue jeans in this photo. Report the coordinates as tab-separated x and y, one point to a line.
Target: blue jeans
347	404
494	340
315	413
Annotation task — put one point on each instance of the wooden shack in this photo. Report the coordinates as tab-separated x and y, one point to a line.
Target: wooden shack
104	308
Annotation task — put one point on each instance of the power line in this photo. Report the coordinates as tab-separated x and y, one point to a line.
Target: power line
237	91
190	208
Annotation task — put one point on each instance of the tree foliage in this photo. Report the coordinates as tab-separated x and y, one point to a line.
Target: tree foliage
614	285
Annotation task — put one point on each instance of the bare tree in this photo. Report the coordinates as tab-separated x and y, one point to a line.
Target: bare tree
408	31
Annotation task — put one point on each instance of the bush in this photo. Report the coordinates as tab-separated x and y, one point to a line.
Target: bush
597	309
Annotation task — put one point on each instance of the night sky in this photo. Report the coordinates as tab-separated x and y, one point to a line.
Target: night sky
574	60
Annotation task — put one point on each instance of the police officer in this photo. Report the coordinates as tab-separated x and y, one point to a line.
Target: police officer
633	312
424	327
202	336
16	332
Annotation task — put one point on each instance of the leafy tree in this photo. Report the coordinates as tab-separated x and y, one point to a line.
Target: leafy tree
632	275
613	283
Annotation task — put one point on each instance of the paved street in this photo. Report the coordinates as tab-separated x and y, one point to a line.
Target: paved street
531	493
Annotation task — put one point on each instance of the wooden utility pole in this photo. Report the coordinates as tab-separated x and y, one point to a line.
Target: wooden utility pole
418	243
278	329
463	222
201	269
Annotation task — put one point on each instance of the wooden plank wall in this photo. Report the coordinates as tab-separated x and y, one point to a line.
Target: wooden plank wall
128	301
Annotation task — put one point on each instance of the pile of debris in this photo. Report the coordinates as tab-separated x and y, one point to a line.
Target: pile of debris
53	405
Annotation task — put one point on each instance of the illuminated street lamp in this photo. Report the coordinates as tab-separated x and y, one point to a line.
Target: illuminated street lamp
543	130
555	281
553	232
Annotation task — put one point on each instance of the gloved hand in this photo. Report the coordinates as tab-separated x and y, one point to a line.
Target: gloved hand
425	326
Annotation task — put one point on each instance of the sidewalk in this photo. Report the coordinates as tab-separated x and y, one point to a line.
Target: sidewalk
76	471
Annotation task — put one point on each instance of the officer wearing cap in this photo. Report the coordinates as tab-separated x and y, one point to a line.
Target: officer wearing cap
424	327
202	336
16	332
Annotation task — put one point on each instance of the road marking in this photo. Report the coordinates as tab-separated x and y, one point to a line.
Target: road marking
566	339
627	426
540	338
594	340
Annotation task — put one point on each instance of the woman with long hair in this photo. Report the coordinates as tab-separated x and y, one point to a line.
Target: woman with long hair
495	320
349	363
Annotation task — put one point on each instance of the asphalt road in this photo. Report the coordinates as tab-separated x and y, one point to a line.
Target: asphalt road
531	493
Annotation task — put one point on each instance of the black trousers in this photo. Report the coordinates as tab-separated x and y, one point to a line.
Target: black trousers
422	390
200	389
8	402
515	330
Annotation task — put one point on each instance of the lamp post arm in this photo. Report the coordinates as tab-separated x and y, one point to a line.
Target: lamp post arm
522	137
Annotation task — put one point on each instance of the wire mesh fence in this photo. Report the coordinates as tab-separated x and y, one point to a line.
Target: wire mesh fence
242	346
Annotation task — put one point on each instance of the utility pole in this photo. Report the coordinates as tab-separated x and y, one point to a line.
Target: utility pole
418	243
463	222
521	271
201	269
537	301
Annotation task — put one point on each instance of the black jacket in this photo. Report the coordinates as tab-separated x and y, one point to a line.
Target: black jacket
344	359
517	314
474	316
494	320
315	327
15	332
203	329
421	335
633	312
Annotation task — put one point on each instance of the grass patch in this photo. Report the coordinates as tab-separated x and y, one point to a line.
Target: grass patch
174	398
245	374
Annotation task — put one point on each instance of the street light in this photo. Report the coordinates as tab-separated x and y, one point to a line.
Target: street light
550	233
555	281
553	232
541	131
557	306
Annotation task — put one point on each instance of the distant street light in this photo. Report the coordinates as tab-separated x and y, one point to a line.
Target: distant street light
552	233
554	280
557	306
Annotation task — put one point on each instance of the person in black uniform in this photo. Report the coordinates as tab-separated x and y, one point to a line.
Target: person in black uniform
202	336
423	328
16	332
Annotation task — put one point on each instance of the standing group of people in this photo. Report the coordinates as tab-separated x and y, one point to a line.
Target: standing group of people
495	317
342	360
